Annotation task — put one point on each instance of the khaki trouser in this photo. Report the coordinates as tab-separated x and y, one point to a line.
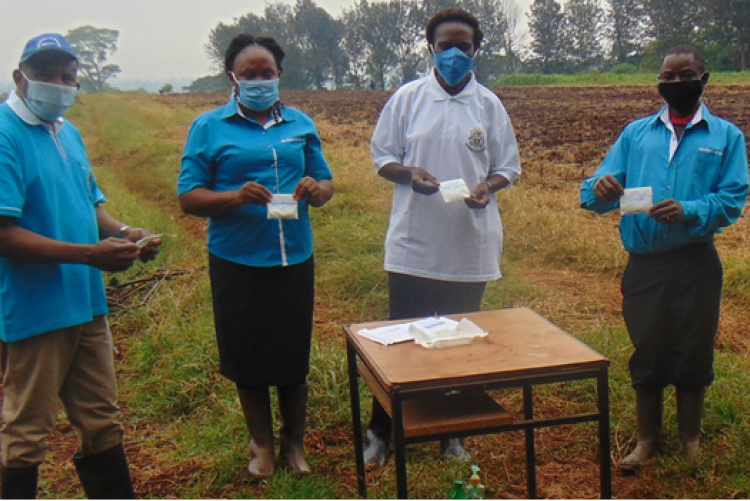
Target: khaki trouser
73	366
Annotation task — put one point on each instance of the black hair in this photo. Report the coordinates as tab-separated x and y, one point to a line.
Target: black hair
690	51
45	59
454	16
244	40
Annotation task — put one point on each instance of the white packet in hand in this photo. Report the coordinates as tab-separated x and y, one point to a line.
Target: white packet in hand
283	207
636	200
454	190
143	242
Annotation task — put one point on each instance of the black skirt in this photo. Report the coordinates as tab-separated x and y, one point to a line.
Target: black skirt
264	319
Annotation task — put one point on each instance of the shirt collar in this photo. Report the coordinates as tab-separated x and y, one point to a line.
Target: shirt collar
439	94
701	115
232	108
23	112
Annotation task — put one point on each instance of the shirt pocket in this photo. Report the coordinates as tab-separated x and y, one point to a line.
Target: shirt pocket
291	153
706	168
707	158
84	178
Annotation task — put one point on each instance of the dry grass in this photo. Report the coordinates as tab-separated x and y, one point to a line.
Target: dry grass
183	419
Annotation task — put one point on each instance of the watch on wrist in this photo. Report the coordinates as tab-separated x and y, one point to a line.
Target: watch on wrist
122	230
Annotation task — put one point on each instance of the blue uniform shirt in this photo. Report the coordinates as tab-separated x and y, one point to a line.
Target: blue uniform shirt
708	175
225	150
46	183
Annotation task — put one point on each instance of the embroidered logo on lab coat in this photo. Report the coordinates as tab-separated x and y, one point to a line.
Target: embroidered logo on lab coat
476	141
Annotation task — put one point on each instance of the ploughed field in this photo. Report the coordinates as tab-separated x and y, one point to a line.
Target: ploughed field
562	131
559	260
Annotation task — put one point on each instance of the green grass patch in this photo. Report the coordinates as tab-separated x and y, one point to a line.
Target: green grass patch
597	78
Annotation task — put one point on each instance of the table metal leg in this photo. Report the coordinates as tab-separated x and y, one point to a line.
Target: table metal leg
528	415
399	447
351	357
602	383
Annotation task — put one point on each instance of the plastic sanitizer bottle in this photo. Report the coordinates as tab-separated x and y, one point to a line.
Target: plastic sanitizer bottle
459	490
476	490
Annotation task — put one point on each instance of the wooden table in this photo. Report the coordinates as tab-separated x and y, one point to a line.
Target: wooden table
434	394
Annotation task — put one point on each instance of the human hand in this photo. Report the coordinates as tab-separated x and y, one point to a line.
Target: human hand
608	188
148	243
667	212
253	193
423	182
306	188
112	254
480	197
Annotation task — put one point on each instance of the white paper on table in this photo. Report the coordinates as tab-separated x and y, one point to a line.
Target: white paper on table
454	190
636	200
389	334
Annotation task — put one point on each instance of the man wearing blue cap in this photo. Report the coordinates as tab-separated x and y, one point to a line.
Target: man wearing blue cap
55	238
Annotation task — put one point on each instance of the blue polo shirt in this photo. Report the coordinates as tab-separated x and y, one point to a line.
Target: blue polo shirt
46	183
707	173
225	150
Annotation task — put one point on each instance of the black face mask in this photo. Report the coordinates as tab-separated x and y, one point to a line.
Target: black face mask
682	96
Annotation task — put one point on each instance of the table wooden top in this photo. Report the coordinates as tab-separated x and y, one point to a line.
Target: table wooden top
520	343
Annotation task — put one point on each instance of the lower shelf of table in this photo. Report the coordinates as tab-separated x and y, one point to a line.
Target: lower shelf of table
446	414
453	413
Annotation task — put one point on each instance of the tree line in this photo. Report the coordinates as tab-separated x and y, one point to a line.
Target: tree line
381	44
373	44
586	35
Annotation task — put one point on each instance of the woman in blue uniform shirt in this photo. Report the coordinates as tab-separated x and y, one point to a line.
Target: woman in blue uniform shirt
237	160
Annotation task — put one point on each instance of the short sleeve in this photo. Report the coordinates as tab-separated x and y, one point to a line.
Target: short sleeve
195	169
316	165
503	148
96	194
12	187
387	143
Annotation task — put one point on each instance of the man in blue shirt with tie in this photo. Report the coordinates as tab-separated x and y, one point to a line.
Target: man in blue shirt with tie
696	166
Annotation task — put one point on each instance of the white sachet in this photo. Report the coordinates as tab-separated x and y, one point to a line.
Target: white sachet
636	200
283	207
143	242
454	190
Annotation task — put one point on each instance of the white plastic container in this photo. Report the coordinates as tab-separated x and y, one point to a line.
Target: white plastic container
437	333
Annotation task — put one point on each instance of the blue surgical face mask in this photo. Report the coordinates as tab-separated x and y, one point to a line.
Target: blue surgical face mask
49	101
257	95
453	65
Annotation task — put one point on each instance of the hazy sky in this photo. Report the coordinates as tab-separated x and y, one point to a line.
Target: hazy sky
159	39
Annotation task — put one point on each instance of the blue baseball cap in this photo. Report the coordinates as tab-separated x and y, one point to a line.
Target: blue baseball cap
48	41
